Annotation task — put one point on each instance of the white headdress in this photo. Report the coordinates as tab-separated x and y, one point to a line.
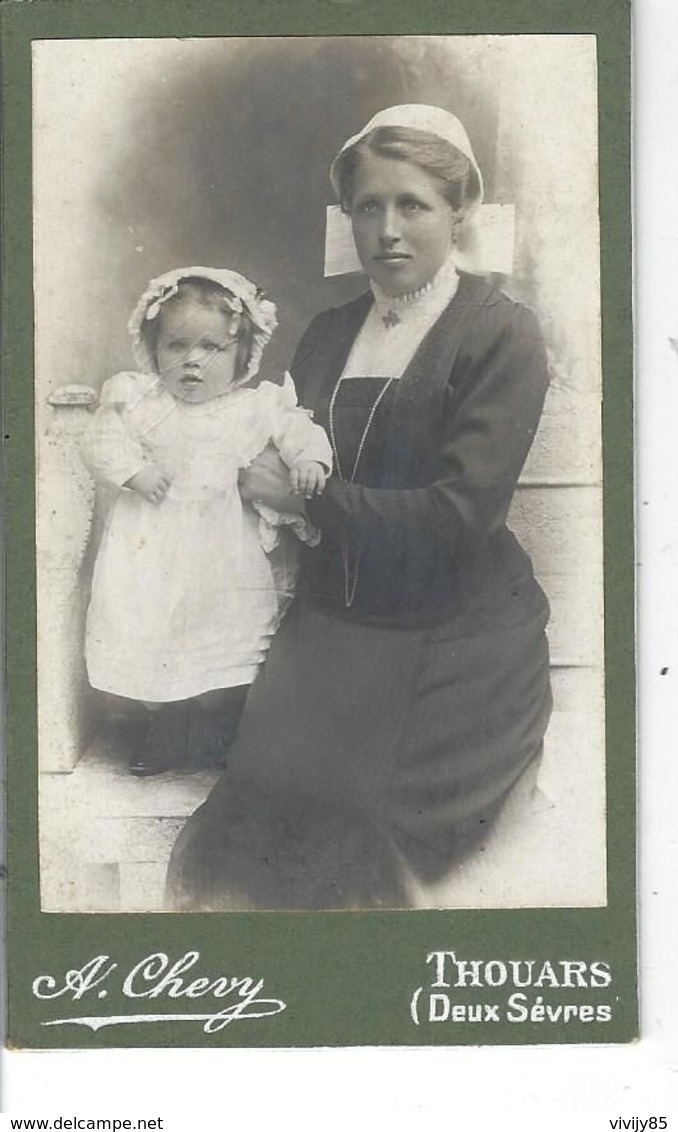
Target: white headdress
486	239
241	295
417	116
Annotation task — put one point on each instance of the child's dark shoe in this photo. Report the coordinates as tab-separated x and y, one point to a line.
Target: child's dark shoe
130	737
142	749
141	768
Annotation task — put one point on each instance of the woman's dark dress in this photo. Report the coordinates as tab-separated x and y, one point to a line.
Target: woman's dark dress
382	735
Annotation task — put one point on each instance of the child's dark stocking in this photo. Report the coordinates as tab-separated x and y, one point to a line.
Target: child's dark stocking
214	720
166	740
125	728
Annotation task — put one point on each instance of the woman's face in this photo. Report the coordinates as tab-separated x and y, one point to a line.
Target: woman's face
402	224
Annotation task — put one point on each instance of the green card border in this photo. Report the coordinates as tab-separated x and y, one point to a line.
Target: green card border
348	976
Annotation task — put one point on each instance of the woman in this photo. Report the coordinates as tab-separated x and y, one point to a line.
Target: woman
408	687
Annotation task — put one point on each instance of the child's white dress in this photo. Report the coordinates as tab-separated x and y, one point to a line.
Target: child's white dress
184	597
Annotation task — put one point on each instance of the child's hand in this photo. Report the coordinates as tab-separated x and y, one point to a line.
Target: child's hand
150	482
308	478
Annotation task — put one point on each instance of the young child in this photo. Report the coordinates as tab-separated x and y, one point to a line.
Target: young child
189	585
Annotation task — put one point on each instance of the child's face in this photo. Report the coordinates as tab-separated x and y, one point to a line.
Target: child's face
196	351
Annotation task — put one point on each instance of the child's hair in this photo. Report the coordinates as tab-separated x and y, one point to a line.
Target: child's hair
212	296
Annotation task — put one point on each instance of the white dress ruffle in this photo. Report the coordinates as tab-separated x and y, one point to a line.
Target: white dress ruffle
185	597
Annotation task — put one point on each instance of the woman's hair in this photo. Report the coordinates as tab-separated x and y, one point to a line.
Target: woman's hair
212	296
458	180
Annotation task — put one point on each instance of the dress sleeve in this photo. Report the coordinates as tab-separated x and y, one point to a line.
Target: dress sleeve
108	449
293	432
306	347
489	421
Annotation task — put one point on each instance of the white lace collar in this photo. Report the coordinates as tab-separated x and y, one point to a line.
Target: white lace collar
433	297
395	326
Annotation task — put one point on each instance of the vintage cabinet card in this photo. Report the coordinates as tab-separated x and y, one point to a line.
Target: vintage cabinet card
351	764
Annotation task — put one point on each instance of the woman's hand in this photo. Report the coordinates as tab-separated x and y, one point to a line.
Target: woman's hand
267	480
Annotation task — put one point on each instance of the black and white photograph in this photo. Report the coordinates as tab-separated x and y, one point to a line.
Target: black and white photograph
339	358
318	473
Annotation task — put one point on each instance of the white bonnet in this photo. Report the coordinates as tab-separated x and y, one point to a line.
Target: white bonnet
417	116
242	296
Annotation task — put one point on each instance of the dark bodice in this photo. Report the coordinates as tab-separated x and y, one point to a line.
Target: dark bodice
346	571
352	407
420	532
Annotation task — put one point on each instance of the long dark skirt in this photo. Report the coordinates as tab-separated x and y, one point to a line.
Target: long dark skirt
366	753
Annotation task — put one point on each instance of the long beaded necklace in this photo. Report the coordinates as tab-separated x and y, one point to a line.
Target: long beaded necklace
351	573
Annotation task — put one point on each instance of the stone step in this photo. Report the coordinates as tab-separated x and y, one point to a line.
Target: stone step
106	836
